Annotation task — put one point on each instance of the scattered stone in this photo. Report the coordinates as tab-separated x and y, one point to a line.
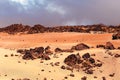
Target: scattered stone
42	70
57	63
52	64
26	79
92	60
65	77
48	51
103	78
101	71
84	78
41	61
12	55
20	51
110	53
45	78
89	71
62	67
100	46
99	64
112	75
5	55
118	48
93	55
72	75
117	55
19	62
16	55
106	57
69	68
58	50
79	61
95	77
86	56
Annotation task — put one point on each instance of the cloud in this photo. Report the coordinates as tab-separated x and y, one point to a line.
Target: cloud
59	12
55	9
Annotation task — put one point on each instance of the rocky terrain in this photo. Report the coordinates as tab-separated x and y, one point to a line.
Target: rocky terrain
97	28
58	56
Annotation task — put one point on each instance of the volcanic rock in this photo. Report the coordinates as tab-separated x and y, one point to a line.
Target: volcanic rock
109	45
86	56
37	52
86	63
58	50
48	51
92	60
100	46
62	67
72	75
103	78
80	46
117	55
84	78
116	36
71	60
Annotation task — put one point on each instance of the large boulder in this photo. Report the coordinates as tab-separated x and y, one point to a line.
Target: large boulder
109	45
80	46
71	60
39	49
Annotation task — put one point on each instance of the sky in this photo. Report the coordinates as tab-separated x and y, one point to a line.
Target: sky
59	12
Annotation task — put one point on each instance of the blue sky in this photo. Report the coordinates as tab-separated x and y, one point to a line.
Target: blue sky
59	12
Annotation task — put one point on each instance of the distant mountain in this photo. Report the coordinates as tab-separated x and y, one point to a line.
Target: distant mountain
17	28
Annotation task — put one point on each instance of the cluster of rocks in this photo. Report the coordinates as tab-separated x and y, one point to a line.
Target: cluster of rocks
38	52
108	45
84	62
16	28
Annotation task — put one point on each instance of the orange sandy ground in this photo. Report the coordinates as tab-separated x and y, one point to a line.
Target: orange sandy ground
32	69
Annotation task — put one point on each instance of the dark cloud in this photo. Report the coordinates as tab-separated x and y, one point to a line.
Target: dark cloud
59	12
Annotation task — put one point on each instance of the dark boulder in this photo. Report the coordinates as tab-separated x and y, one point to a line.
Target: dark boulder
92	60
58	50
39	50
109	45
86	56
71	60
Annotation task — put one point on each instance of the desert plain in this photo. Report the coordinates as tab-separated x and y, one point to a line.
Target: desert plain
13	67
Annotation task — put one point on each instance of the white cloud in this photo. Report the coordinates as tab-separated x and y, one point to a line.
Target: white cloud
55	8
22	2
